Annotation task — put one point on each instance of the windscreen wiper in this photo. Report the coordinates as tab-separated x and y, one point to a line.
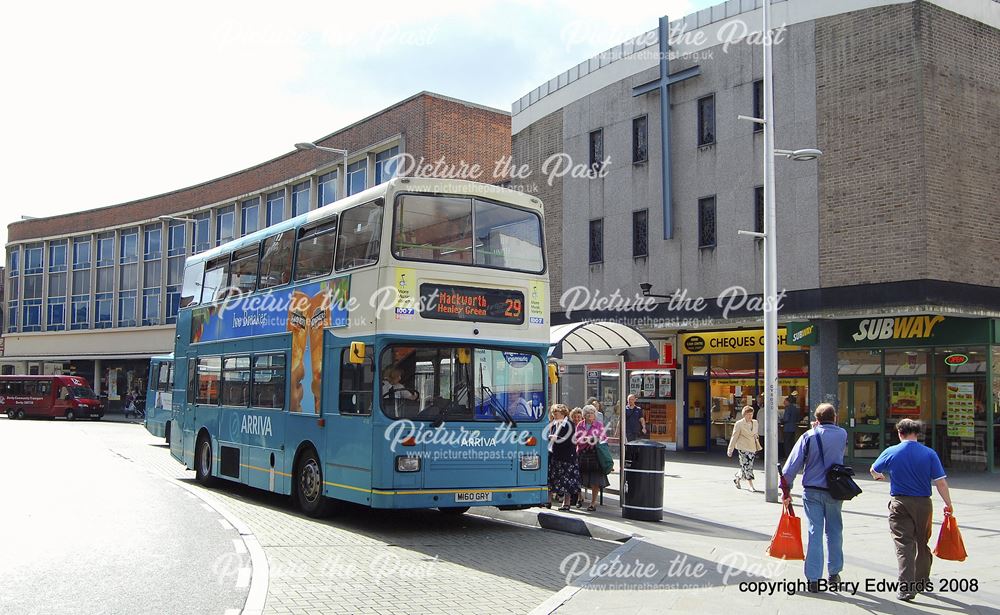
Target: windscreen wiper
493	401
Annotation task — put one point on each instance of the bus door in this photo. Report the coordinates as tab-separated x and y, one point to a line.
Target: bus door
350	388
263	427
186	366
60	396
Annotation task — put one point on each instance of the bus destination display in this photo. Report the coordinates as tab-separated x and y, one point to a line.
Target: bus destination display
447	302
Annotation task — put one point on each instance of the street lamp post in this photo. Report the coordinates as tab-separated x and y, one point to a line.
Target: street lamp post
332	150
770	238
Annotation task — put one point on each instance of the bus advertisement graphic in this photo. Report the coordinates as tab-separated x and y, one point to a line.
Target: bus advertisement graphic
304	312
270	313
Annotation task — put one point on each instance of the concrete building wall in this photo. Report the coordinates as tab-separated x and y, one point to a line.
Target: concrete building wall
871	178
960	74
909	101
730	169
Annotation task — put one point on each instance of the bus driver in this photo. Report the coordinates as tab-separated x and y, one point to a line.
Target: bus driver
393	388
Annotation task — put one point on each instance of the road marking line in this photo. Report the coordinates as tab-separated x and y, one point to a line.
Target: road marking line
243	577
239	546
207	507
225	524
260	570
232	612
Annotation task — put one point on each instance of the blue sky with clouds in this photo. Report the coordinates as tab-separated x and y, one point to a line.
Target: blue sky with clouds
111	101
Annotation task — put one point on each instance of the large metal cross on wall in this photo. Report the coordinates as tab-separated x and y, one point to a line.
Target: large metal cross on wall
662	84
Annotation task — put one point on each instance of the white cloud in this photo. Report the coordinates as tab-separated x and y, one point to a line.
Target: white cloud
112	101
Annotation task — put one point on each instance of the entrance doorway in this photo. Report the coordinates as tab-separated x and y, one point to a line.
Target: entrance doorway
696	415
863	417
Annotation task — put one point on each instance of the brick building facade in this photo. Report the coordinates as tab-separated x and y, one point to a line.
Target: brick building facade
884	238
95	292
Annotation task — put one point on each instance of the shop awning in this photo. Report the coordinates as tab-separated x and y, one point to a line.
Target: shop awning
595	342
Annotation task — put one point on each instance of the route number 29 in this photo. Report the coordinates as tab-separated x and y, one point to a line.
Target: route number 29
513	308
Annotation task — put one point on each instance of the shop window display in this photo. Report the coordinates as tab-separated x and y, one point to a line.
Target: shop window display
960	389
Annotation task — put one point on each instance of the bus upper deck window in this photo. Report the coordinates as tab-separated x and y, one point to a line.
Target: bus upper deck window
191	289
359	236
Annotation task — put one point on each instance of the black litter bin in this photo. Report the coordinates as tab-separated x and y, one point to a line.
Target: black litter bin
642	496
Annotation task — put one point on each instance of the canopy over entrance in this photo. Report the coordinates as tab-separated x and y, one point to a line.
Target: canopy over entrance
602	342
599	342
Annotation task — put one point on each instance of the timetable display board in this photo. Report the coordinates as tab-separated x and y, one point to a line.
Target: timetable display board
468	303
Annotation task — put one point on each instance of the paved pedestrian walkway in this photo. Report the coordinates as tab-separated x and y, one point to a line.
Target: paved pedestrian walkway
379	562
713	539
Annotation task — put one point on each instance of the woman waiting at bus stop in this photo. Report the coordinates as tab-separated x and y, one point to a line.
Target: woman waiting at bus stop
564	473
590	433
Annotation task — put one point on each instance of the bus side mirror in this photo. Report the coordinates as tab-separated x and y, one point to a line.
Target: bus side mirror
357	354
553	373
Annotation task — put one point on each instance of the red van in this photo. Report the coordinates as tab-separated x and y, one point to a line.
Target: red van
49	396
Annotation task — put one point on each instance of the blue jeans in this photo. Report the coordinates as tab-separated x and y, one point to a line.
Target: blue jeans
823	514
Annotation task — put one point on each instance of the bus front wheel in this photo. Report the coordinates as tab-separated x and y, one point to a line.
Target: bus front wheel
70	415
203	461
309	485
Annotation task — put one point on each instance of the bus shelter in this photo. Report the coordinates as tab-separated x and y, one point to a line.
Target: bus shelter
602	342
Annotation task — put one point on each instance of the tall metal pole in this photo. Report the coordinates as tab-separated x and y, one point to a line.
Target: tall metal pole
621	429
770	277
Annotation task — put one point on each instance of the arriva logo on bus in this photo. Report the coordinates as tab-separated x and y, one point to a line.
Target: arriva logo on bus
904	327
256	425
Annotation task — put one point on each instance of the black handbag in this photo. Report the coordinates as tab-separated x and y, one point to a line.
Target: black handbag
839	481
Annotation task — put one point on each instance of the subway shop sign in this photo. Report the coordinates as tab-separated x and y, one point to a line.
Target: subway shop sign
929	329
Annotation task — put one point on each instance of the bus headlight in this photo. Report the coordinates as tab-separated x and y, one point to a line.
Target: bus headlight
531	462
407	464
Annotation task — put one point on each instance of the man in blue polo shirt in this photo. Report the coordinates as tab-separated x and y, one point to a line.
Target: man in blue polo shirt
818	449
912	468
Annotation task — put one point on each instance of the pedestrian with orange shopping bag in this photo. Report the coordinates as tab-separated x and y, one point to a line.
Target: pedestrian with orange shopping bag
912	468
787	540
813	454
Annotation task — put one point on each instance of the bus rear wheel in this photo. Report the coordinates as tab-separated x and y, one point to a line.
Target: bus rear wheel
203	461
10	414
309	486
20	415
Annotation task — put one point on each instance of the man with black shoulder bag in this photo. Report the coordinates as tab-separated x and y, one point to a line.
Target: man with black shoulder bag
823	484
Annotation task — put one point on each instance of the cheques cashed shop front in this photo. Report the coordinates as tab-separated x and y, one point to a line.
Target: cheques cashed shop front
942	370
723	372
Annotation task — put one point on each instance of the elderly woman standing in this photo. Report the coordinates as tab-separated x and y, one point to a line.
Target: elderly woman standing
745	440
564	474
589	433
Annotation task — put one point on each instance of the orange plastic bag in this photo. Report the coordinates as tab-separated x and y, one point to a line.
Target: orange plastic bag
787	540
950	545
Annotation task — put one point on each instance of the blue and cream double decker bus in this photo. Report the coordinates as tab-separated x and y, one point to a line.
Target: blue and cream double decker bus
387	350
159	396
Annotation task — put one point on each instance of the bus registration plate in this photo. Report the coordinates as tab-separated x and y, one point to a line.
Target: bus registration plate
474	496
